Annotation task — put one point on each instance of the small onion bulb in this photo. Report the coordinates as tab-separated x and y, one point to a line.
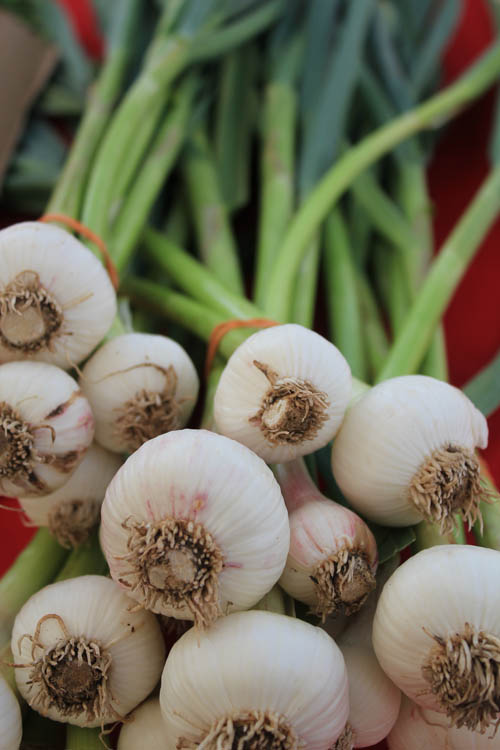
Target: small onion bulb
72	511
46	426
56	299
406	452
283	393
83	654
139	386
436	633
333	555
421	729
10	718
255	675
144	728
194	526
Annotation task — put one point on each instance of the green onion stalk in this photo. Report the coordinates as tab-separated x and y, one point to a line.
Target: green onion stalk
196	33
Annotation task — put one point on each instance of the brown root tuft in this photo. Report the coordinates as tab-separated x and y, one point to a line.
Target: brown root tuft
343	582
150	413
346	739
292	410
175	563
463	671
247	730
448	483
72	521
29	316
70	676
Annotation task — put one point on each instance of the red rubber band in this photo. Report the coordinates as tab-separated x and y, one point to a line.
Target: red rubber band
77	226
220	331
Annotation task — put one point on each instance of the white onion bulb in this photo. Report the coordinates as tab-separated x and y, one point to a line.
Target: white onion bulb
436	632
194	526
10	718
83	654
139	386
406	452
283	393
72	511
333	555
421	729
56	299
46	426
145	728
258	675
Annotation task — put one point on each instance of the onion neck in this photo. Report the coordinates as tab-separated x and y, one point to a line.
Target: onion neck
296	484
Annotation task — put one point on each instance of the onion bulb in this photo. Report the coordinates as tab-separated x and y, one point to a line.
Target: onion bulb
194	526
254	679
56	299
83	655
405	452
436	633
10	718
283	393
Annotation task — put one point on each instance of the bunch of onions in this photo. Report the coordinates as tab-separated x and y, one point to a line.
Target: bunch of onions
194	526
332	559
144	728
254	679
10	718
46	426
406	453
283	393
436	633
139	386
83	663
56	299
72	511
422	729
374	700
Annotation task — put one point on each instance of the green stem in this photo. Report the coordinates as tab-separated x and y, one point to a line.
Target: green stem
277	601
279	123
216	243
442	280
207	420
85	560
306	282
316	207
40	733
238	32
80	738
33	569
130	131
160	160
376	340
176	226
488	534
427	535
346	327
193	278
234	124
68	193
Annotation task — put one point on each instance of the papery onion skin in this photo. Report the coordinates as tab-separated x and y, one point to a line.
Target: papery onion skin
256	661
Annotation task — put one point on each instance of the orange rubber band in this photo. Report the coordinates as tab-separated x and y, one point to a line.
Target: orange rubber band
89	235
220	331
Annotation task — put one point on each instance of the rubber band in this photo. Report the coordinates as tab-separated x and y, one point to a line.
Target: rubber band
77	226
220	331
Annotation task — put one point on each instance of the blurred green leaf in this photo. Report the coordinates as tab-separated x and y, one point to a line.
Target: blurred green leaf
484	388
437	35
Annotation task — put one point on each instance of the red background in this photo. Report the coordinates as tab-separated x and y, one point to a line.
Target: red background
472	321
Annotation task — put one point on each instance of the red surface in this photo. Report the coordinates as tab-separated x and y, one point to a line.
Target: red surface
472	321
